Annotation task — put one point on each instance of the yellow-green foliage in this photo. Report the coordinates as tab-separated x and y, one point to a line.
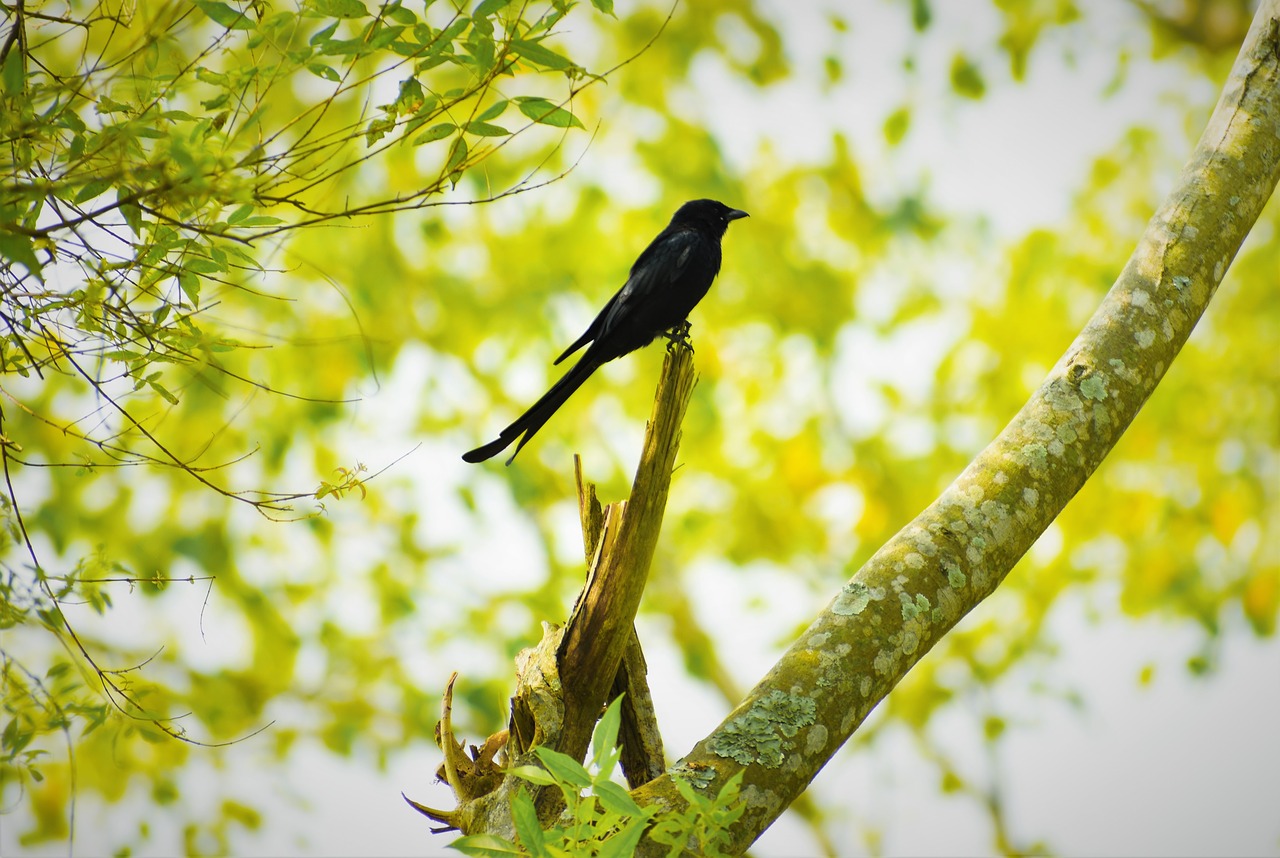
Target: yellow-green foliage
230	313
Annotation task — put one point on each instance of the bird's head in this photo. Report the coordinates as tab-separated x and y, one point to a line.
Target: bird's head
709	214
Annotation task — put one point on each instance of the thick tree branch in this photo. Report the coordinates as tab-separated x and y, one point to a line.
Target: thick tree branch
600	627
954	554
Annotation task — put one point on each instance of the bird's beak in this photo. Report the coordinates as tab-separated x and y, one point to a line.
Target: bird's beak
735	214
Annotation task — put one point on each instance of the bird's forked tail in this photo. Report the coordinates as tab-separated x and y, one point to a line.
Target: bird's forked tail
539	413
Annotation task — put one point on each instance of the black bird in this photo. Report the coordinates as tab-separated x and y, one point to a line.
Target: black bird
666	282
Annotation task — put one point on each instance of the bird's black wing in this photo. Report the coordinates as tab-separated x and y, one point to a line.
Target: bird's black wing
625	314
593	329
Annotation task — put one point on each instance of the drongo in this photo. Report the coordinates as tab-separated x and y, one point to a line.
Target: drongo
666	282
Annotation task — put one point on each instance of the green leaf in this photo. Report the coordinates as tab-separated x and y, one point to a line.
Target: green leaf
12	73
216	102
223	14
623	844
91	190
435	132
401	15
481	48
340	8
484	129
897	125
240	214
383	35
614	797
205	266
243	814
688	793
323	35
378	129
449	33
107	104
132	214
605	6
481	29
729	792
533	774
65	118
488	7
324	71
457	155
190	286
32	216
411	97
544	112
20	249
163	391
494	110
11	738
921	14
528	829
966	78
564	768
605	736
484	846
535	53
260	220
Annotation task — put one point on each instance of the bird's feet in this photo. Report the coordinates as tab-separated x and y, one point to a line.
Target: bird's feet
678	337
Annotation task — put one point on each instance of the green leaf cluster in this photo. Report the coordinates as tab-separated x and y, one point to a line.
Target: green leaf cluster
600	818
158	176
160	165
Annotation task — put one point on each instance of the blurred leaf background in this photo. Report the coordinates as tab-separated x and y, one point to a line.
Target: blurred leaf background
940	194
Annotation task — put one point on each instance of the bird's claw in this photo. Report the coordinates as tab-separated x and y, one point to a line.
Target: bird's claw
678	337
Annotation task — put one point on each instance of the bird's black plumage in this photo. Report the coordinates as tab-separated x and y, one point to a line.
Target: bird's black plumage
666	282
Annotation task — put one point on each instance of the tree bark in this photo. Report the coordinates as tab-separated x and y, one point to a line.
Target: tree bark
955	553
639	738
